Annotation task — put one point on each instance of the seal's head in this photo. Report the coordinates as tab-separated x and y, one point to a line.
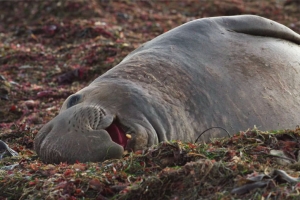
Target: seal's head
95	124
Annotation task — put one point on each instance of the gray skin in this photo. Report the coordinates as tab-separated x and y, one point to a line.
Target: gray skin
234	72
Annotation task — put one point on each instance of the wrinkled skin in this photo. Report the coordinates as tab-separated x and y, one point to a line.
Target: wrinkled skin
233	72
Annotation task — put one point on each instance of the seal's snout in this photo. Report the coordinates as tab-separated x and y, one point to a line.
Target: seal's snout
78	134
87	117
96	118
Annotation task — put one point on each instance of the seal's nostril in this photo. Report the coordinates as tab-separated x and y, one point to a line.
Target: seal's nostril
42	135
49	129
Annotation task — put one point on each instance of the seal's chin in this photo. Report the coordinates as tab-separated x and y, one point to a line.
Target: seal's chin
117	134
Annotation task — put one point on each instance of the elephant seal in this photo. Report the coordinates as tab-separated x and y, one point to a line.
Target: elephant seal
234	72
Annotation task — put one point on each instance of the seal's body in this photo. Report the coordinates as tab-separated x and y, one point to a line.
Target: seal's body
233	72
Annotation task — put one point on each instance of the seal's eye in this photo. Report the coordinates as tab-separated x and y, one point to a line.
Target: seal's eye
73	100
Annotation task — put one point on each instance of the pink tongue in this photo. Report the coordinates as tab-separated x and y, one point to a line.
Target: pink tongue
117	134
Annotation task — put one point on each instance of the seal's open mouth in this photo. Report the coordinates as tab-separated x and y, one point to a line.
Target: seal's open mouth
117	134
